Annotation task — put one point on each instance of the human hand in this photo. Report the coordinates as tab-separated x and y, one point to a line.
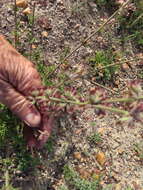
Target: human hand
18	78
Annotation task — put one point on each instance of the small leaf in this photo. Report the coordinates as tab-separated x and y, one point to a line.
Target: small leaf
125	118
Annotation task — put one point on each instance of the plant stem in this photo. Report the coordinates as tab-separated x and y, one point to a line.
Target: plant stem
111	109
139	17
100	85
122	100
32	29
68	101
89	37
15	23
6	179
98	30
113	100
118	63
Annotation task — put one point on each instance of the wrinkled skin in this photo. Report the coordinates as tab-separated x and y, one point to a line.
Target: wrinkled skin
45	131
18	78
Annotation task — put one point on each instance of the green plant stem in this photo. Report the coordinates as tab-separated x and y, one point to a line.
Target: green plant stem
139	17
6	179
114	100
123	100
97	104
68	101
119	63
111	109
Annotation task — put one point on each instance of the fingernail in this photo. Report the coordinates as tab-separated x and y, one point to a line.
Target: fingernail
32	120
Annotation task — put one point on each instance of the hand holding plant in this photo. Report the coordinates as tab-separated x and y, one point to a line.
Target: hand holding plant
18	78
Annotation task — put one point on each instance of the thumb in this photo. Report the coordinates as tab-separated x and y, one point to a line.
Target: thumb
19	105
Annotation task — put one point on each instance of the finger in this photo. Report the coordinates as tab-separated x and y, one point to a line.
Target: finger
19	104
18	78
42	132
46	126
29	137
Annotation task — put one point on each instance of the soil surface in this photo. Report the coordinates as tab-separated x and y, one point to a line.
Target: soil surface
60	26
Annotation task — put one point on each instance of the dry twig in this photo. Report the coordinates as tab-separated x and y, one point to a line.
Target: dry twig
15	24
106	88
93	34
32	29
